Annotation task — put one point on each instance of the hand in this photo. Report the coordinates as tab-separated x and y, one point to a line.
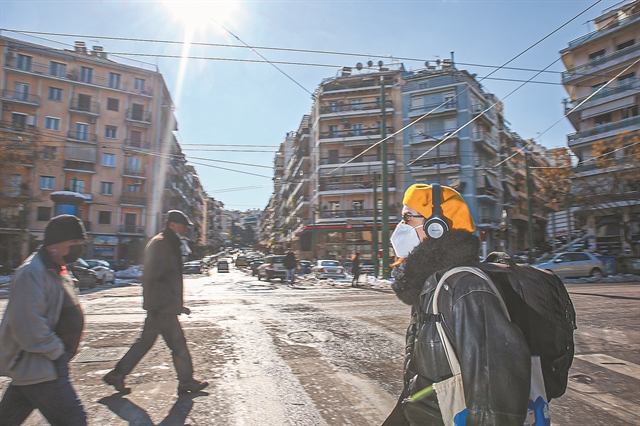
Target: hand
186	310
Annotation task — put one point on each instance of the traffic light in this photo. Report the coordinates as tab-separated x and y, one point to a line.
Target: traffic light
483	236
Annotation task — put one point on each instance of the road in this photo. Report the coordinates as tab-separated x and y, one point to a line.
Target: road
319	354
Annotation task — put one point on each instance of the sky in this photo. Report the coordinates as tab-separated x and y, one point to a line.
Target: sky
242	103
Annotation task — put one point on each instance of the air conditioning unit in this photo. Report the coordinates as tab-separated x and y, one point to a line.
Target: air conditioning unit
7	107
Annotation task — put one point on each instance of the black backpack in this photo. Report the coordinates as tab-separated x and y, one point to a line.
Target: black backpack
539	304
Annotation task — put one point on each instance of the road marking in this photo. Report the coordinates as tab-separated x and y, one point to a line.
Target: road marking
614	364
624	410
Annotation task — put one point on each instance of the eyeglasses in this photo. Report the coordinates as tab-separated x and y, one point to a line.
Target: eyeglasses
408	216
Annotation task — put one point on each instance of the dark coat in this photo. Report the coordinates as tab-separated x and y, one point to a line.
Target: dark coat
355	266
289	261
493	353
162	278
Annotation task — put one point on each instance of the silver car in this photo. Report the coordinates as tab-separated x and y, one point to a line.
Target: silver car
574	264
323	269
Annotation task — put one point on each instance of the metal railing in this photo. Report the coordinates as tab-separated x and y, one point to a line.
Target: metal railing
88	107
333	86
343	186
133	198
592	34
132	143
11	95
610	91
423	109
18	127
135	171
362	106
82	136
599	61
80	153
335	134
79	165
367	158
604	128
138	115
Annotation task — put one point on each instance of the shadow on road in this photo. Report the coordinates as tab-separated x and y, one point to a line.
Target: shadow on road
137	416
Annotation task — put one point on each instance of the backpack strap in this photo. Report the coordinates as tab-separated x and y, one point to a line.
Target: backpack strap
500	256
448	348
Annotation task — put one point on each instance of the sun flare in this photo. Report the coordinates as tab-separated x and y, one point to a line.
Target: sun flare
202	14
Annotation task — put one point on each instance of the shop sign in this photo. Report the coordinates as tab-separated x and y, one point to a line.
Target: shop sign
105	240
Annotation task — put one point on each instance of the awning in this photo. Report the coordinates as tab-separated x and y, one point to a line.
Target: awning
493	182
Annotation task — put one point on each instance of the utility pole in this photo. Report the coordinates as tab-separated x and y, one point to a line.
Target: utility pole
529	210
376	261
438	161
385	184
315	242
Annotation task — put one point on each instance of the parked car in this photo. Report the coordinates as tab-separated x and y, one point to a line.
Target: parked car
304	267
272	267
254	264
347	266
241	261
223	266
192	267
87	278
574	264
367	269
104	271
324	269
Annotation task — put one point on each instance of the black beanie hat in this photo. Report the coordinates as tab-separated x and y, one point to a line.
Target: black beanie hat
64	228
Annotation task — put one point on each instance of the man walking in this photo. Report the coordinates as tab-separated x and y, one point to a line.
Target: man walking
289	264
163	300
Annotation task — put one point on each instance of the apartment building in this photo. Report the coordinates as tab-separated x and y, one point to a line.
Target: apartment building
214	225
98	128
439	99
606	184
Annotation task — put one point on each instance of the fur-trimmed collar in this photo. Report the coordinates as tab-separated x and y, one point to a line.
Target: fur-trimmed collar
455	248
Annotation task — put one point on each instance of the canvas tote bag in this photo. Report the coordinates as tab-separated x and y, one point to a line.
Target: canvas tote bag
450	392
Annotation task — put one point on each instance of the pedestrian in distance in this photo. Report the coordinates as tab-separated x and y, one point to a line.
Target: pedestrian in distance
289	264
41	330
469	359
355	269
162	291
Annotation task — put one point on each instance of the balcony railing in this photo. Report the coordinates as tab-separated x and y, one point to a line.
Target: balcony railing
333	86
138	115
132	143
72	74
17	127
604	128
92	108
133	198
131	229
599	61
10	95
363	106
609	26
366	158
335	134
344	186
486	137
82	136
330	214
135	171
79	165
74	153
451	105
569	104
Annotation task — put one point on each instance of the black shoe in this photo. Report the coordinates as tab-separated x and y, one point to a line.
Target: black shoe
117	381
193	385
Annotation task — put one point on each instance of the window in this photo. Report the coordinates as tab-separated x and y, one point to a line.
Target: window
133	164
132	188
52	123
49	152
19	120
333	131
43	214
629	112
47	182
137	111
357	204
596	55
113	104
595	87
356	104
417	102
114	80
108	160
334	206
626	44
449	100
82	131
13	185
104	218
55	94
627	79
106	188
76	185
602	119
357	129
110	132
58	69
333	156
86	75
138	84
24	62
333	106
84	102
21	91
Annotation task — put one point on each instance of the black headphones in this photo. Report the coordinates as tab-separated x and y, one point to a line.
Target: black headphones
436	225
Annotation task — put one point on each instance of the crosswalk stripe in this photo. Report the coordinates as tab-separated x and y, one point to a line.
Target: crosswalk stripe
614	364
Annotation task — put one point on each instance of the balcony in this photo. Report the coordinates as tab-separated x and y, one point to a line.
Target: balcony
137	172
17	127
86	108
20	98
486	138
82	137
79	166
625	54
354	134
601	131
366	158
14	222
133	198
138	116
489	115
602	31
136	144
432	109
131	229
336	86
351	186
356	108
605	93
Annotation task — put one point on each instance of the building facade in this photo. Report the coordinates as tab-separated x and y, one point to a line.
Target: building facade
98	128
605	197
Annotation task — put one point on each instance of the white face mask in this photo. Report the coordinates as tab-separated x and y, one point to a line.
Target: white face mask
404	239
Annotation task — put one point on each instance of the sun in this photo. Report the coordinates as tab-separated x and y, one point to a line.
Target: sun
202	15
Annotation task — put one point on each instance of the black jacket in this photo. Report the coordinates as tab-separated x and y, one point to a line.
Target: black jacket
289	261
493	354
162	278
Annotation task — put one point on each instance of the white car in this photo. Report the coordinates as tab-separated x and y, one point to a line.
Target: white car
323	269
104	271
